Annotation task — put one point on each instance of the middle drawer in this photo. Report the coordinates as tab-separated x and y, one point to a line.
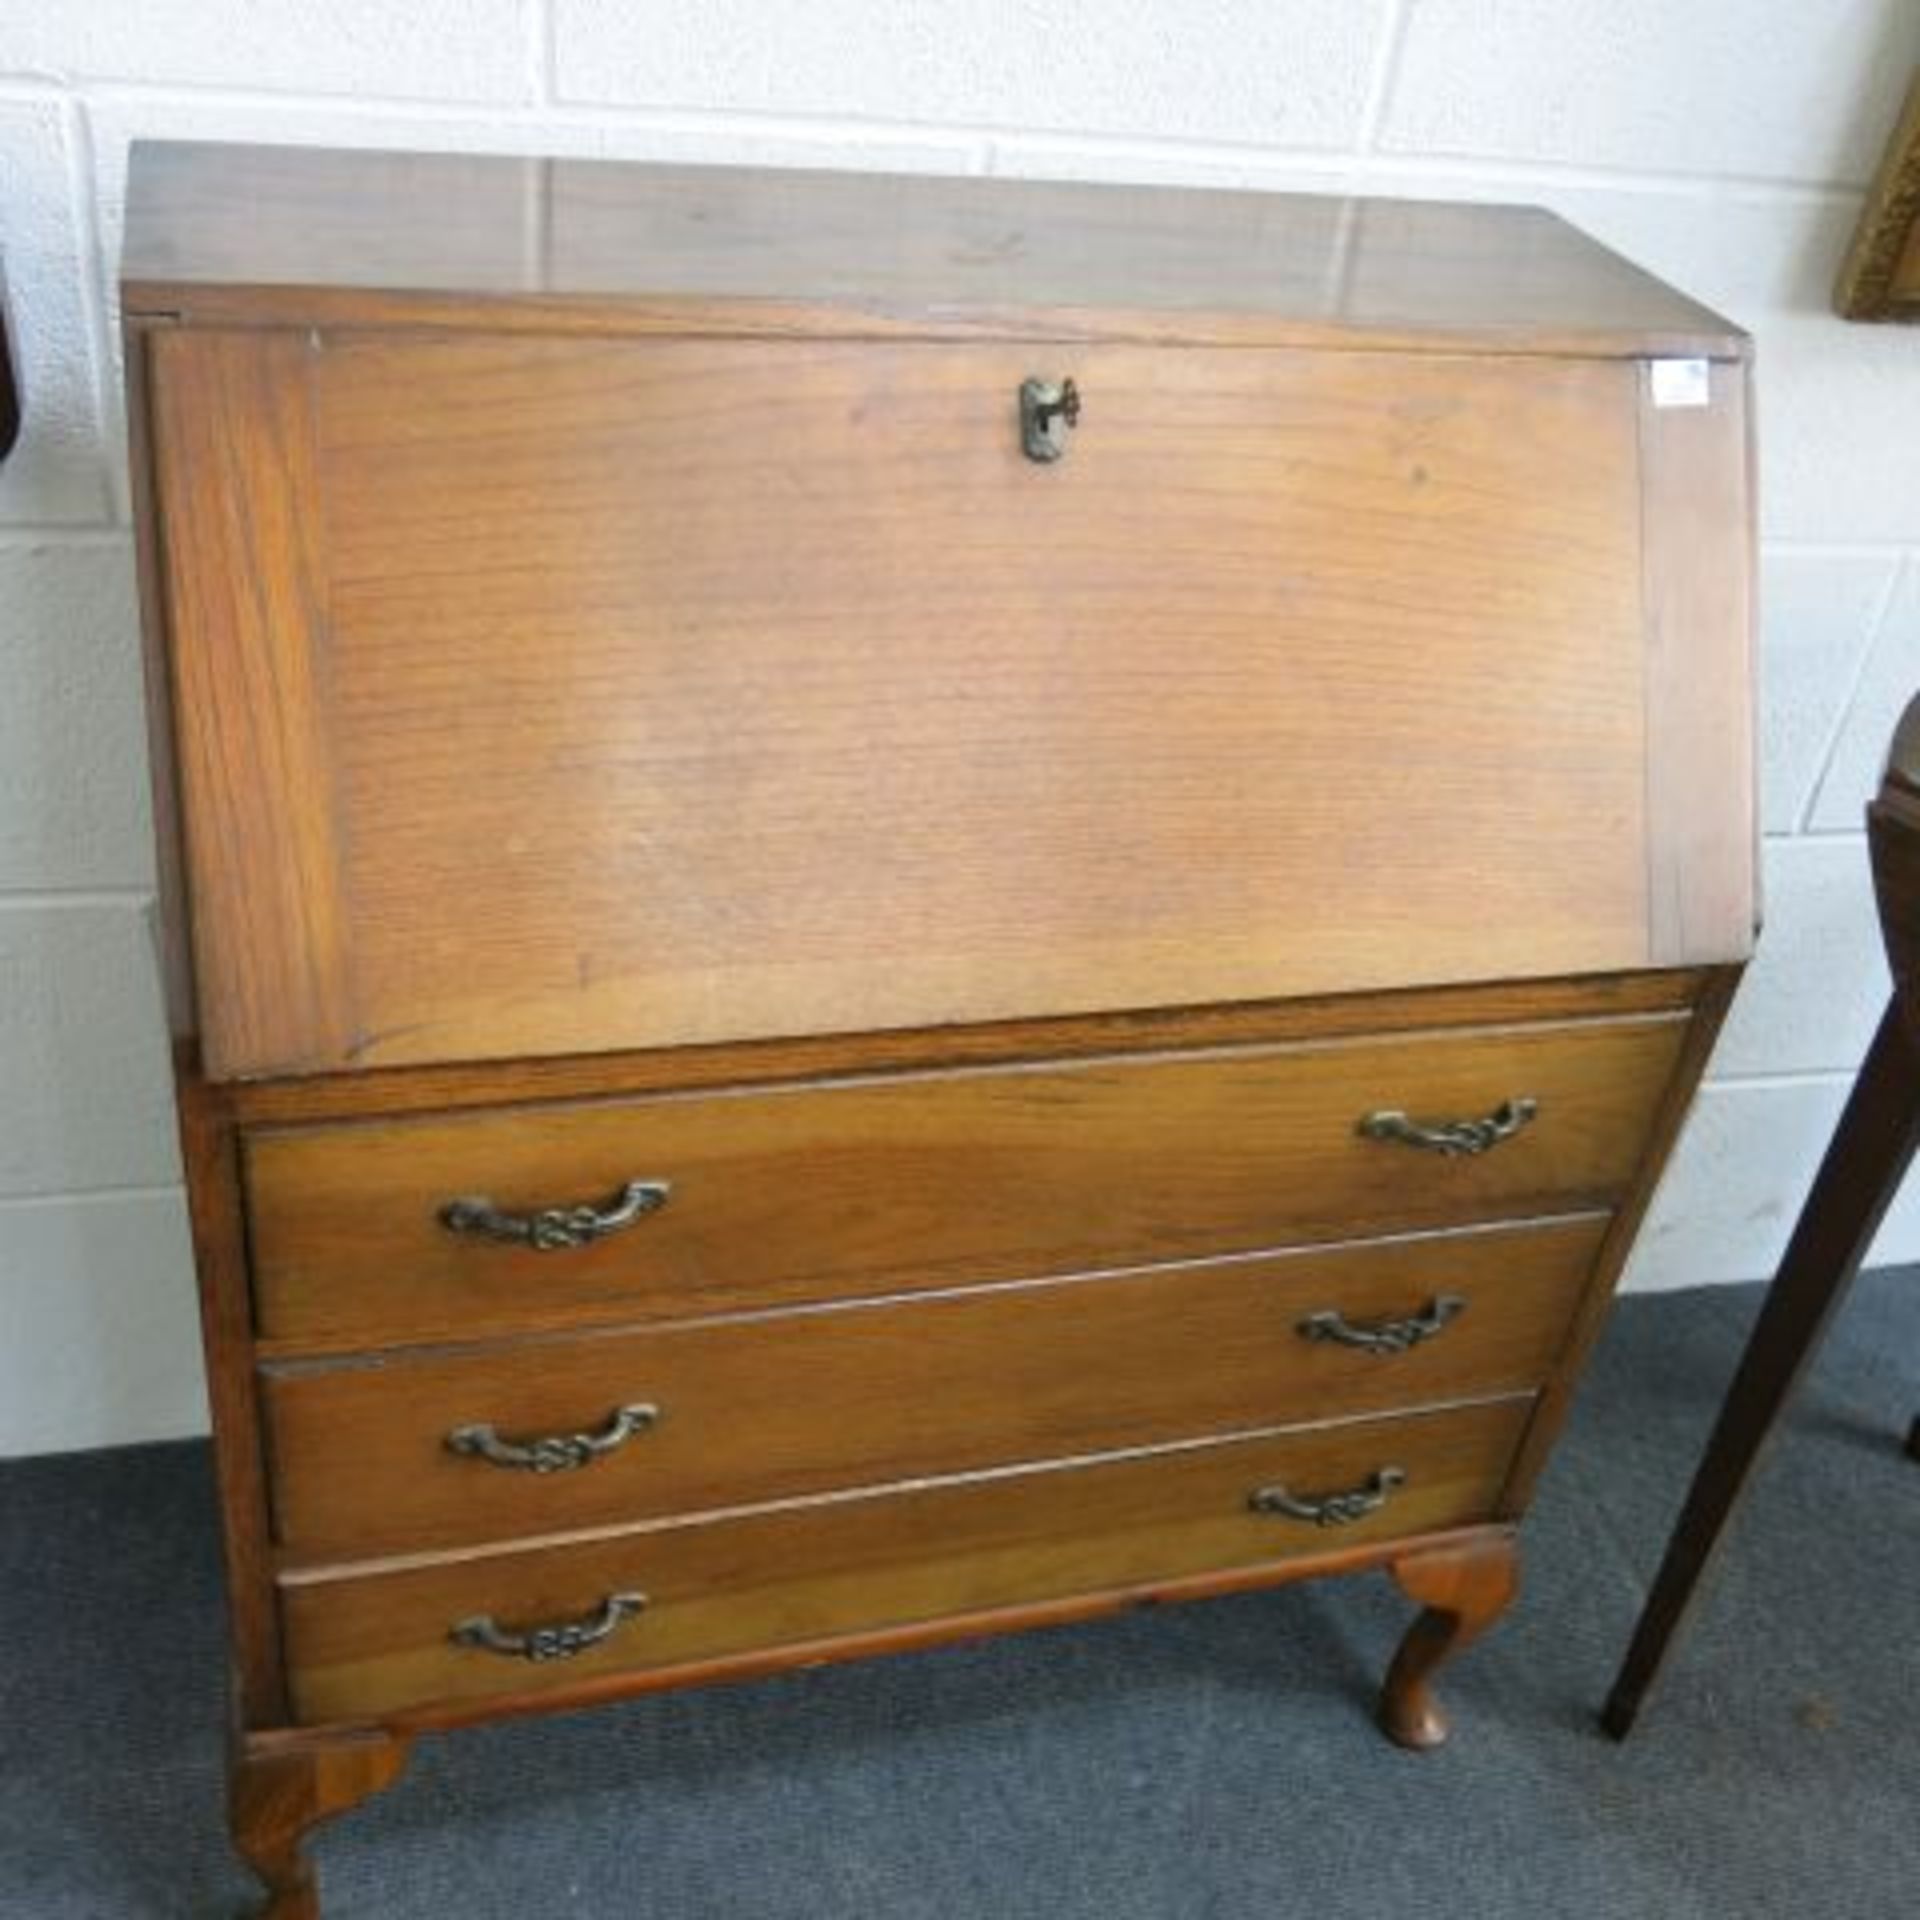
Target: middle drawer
753	1408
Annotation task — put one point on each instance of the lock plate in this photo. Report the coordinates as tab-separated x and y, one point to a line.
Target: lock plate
1047	409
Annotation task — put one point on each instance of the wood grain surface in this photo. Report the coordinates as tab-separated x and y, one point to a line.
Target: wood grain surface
910	1181
678	692
863	1394
453	240
163	778
455	1085
1703	839
282	1787
231	423
1589	1317
209	1153
377	1643
626	709
1462	1588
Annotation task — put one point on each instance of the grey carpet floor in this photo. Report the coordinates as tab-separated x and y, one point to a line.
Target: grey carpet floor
1203	1763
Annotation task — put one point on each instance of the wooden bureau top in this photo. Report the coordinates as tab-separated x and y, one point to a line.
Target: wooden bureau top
623	607
253	234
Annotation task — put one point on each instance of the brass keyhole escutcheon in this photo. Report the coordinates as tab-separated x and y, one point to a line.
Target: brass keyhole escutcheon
1047	409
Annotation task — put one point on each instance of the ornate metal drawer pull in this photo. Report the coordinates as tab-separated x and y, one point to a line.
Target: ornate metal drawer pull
1384	1336
1045	407
555	1227
558	1452
1331	1509
1453	1137
559	1640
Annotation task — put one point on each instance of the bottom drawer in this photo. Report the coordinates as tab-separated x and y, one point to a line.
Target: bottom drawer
372	1643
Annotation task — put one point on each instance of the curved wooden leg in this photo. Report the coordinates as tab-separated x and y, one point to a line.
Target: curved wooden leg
282	1786
1462	1590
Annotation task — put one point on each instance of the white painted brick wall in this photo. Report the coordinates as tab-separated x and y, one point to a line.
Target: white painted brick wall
1724	144
1739	89
1272	73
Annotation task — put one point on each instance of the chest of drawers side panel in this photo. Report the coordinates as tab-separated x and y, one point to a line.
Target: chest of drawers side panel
163	775
1590	1315
209	1152
1700	551
239	538
209	1133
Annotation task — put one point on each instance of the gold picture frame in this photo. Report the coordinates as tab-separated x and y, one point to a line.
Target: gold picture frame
1881	277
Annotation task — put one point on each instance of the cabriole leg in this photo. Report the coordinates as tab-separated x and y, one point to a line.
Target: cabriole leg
1462	1591
284	1786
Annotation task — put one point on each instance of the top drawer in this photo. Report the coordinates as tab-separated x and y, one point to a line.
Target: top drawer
841	1188
540	695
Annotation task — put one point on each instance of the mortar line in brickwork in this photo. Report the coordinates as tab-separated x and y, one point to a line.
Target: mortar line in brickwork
1385	77
1876	627
1794	836
1790	545
1782	1080
62	533
95	301
51	899
66	1196
542	60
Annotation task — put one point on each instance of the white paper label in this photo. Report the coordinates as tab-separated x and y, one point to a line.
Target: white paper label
1681	383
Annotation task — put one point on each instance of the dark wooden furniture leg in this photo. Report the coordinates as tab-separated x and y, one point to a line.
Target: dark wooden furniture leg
1870	1150
282	1788
1462	1591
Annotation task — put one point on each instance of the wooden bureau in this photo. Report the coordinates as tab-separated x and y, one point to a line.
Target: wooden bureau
902	907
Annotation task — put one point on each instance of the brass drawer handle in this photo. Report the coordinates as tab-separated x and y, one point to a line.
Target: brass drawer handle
1453	1137
559	1640
1045	407
555	1227
1331	1509
1384	1336
558	1452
